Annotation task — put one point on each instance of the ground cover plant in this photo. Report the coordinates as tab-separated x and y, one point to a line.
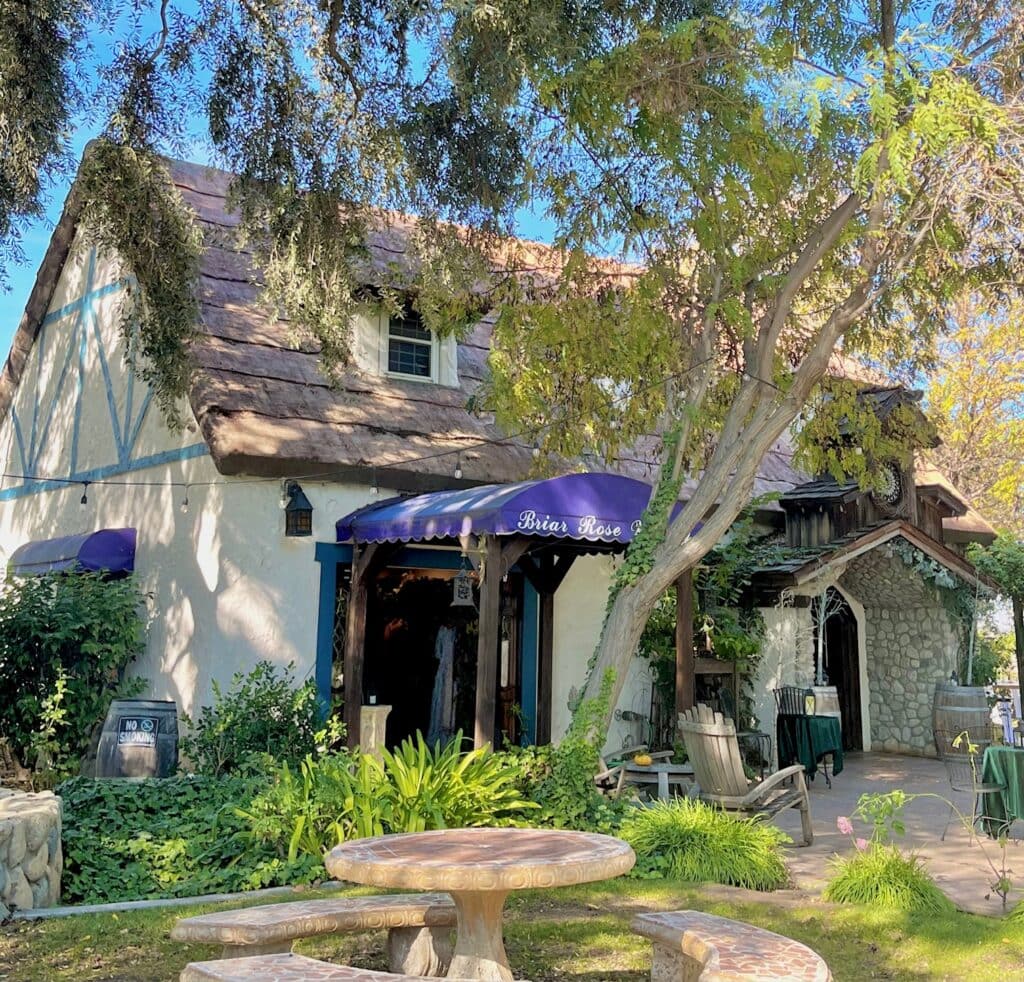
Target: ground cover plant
580	933
692	841
178	837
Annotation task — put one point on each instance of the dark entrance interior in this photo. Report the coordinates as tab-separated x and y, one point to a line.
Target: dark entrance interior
413	634
842	668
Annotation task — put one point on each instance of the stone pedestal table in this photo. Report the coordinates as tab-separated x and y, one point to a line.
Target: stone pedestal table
479	867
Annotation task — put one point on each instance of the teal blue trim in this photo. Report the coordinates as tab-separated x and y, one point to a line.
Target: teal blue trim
332	552
76	305
530	660
134	436
83	347
37	450
108	384
21	441
324	664
111	470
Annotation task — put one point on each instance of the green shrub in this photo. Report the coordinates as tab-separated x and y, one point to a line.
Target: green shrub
692	841
179	837
416	787
65	640
882	876
262	713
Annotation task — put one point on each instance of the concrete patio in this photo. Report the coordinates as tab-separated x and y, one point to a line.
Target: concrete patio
958	864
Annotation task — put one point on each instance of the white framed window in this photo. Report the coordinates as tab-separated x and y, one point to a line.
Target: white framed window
410	350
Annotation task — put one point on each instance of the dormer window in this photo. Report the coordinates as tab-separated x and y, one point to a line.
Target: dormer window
411	349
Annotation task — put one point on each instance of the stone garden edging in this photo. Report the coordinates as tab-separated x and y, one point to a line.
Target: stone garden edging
31	857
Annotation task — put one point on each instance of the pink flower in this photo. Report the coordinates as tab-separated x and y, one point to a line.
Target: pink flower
844	825
861	844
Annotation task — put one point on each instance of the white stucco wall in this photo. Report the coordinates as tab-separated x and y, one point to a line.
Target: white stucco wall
579	613
225	587
787	658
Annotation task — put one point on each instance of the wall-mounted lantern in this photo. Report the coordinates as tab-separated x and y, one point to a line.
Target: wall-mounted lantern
810	702
298	512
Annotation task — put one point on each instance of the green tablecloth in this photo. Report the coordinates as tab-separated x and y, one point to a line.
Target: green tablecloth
1004	766
806	739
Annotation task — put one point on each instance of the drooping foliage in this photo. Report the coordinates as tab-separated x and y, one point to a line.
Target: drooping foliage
770	181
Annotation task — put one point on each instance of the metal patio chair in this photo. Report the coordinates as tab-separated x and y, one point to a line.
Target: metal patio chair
963	769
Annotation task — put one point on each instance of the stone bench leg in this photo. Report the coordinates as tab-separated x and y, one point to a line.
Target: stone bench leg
419	951
671	965
245	950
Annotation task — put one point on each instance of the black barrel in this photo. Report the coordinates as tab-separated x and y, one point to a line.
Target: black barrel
139	739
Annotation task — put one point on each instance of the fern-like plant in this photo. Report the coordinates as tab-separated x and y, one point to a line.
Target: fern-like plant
693	841
883	876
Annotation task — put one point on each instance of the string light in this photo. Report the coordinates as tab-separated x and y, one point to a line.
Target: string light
84	500
184	502
328	474
374	490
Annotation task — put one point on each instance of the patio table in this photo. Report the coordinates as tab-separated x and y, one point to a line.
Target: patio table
479	867
663	774
1004	766
808	739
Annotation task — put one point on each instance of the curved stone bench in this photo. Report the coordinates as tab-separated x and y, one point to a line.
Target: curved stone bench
691	946
418	925
285	968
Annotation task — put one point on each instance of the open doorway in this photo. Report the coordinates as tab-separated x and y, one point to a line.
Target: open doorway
421	654
842	665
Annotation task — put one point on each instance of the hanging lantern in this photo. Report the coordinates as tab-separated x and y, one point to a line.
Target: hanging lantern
809	701
298	512
462	589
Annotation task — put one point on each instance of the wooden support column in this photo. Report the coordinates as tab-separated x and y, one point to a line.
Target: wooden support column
685	675
487	644
355	639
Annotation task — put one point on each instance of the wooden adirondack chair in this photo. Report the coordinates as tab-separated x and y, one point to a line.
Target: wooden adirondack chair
711	743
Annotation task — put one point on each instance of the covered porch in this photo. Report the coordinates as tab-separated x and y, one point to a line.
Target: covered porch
533	531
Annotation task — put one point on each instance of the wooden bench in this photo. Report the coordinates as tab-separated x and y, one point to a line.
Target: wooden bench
284	968
691	946
418	924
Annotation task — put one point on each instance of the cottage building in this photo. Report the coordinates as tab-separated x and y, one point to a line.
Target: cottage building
266	529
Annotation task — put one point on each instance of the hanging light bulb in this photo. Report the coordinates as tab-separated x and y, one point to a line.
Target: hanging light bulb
84	500
536	449
184	501
458	468
374	490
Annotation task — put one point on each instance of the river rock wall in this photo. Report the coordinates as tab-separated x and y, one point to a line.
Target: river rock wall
31	858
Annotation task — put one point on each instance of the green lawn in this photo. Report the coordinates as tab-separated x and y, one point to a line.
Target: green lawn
580	933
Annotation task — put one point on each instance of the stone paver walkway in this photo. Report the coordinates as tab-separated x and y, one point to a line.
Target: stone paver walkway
957	865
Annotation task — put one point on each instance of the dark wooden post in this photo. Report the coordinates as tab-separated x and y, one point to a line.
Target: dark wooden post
685	677
355	639
487	643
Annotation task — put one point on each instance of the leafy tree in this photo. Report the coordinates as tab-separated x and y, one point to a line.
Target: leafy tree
977	398
1003	562
772	180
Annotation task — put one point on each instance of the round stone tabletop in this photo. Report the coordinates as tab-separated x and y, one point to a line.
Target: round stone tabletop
481	859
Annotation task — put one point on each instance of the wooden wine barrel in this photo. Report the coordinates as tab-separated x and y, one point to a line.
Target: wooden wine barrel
139	739
958	708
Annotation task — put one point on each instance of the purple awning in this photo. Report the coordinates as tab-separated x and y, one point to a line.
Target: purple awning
111	550
586	507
